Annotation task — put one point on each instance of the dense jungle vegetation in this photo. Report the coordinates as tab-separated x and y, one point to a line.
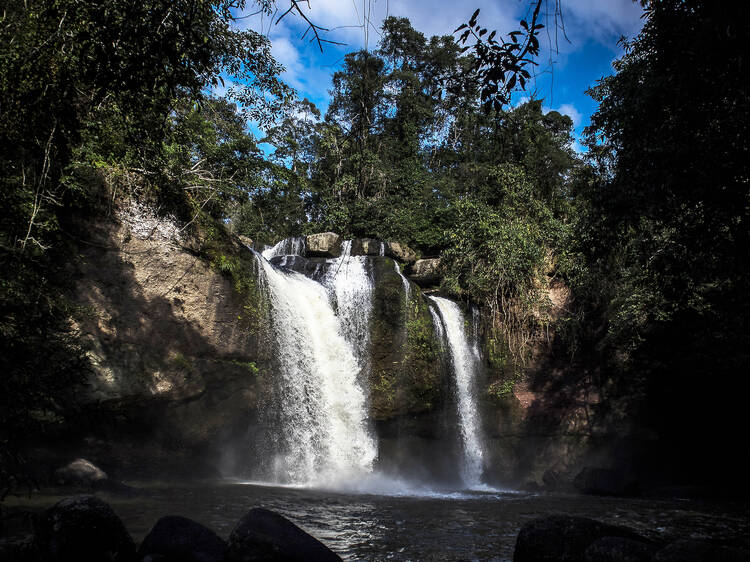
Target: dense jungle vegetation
649	228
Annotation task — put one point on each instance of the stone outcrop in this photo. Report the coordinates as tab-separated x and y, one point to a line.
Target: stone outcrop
80	472
323	245
263	535
174	331
426	272
248	242
400	252
407	376
367	247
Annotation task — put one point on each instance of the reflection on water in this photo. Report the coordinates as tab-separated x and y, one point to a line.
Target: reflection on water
438	525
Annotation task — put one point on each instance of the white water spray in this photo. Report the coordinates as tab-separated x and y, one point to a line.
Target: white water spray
465	369
323	435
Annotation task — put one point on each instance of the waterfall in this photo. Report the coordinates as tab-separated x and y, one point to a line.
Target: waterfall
322	434
437	323
351	289
404	281
294	246
465	369
475	321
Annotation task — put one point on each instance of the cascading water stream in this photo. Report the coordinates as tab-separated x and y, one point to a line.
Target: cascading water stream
351	288
320	432
323	434
437	323
287	247
475	321
404	281
465	368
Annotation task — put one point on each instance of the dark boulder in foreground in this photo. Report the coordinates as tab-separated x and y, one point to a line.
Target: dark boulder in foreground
178	539
84	528
692	550
619	549
264	535
562	538
603	482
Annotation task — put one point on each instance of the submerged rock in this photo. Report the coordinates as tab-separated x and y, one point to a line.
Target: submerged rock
84	528
323	245
562	538
426	272
265	535
80	472
178	539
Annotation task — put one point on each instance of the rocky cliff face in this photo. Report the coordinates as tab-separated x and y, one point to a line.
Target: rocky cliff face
182	366
177	347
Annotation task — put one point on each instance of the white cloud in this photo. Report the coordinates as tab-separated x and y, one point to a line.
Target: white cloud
602	18
585	20
346	18
570	110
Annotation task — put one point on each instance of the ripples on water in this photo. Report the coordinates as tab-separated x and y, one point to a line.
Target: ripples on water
421	524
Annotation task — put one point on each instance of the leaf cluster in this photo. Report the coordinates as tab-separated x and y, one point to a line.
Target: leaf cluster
501	65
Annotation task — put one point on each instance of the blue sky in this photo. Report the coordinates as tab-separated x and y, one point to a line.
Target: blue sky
593	28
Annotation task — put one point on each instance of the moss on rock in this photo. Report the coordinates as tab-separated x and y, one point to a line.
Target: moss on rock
406	375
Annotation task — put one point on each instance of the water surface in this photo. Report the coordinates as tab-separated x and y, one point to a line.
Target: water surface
419	524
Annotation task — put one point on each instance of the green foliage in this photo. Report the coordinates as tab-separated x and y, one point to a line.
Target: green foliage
500	389
500	256
41	360
501	65
670	227
661	232
249	366
238	265
179	361
100	100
